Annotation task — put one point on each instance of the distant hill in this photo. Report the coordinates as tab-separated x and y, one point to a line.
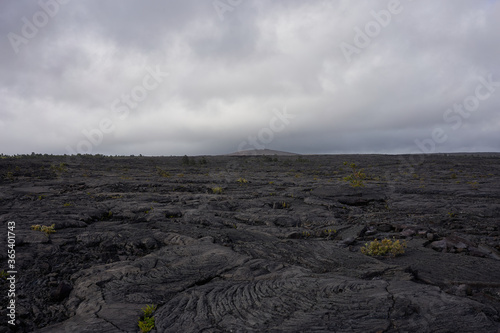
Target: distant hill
256	152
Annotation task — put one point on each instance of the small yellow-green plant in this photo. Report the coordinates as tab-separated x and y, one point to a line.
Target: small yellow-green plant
217	190
67	204
147	321
106	216
162	173
48	229
147	324
148	310
385	247
44	228
3	274
242	181
357	177
329	232
62	167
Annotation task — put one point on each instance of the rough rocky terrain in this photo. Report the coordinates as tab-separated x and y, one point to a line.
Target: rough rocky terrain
253	243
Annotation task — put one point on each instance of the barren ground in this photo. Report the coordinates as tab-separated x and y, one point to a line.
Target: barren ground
253	243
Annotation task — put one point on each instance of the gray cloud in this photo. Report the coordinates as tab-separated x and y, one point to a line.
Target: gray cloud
226	78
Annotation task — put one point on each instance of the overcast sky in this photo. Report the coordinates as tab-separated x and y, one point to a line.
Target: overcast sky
214	77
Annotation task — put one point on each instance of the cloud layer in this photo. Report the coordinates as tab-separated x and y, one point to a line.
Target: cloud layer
210	77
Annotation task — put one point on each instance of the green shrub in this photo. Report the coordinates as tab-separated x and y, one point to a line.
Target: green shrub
357	177
301	159
162	172
385	247
217	190
147	321
44	228
148	310
61	167
186	160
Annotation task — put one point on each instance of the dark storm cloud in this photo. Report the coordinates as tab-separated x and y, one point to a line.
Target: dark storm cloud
82	81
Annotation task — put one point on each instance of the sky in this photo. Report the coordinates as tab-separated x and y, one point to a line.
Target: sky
214	77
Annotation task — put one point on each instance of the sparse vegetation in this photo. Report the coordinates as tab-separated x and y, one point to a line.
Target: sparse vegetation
44	228
474	184
268	159
357	177
106	216
162	173
188	161
242	180
217	190
329	232
385	247
147	321
59	168
203	161
301	159
148	310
